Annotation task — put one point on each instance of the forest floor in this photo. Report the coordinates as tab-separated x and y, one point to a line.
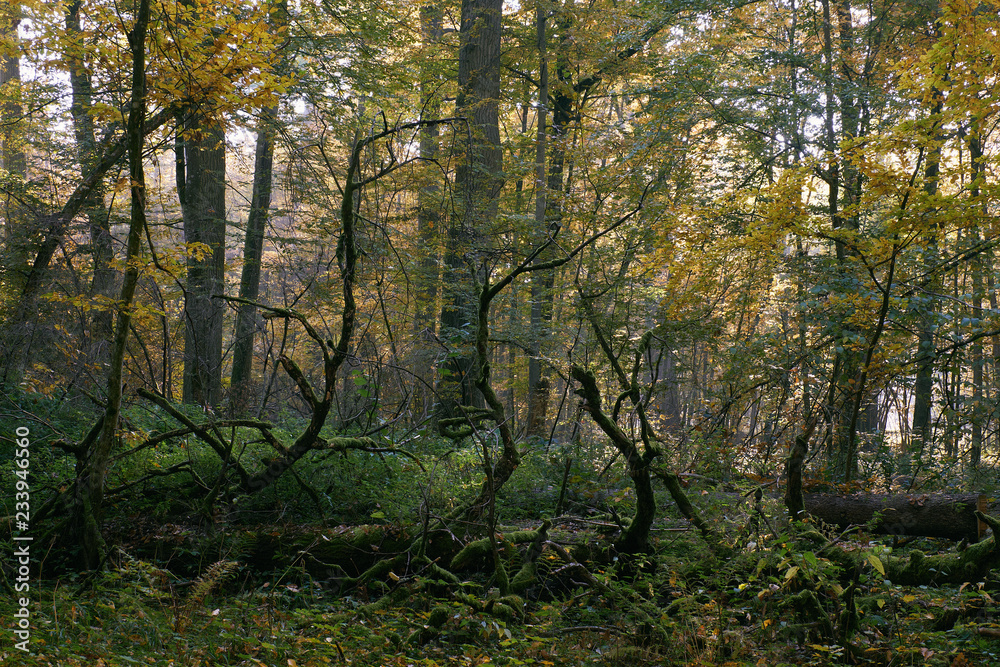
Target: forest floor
680	607
284	577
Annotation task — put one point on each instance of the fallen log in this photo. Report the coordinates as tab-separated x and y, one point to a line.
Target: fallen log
916	568
927	515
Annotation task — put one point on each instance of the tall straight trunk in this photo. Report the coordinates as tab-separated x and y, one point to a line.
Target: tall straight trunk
105	277
13	163
978	360
845	216
12	156
478	181
241	380
90	484
925	355
836	405
241	385
989	265
548	212
203	202
832	177
429	207
200	154
541	286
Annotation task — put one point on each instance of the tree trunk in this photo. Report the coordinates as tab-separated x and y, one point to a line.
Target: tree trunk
636	536
241	385
241	391
89	490
12	157
13	164
102	249
843	180
478	182
979	414
935	515
541	287
203	201
925	355
429	206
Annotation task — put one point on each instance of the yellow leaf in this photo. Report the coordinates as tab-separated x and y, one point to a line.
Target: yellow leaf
876	563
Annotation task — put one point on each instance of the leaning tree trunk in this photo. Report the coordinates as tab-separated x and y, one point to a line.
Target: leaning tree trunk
241	384
636	536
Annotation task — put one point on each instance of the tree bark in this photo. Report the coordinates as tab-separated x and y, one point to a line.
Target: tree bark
928	515
925	356
13	179
90	485
979	267
102	250
636	536
541	287
203	202
844	194
12	157
241	383
478	182
429	217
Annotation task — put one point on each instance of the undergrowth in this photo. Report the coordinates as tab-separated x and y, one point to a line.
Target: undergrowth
680	606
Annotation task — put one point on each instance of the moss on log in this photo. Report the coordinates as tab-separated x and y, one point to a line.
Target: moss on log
918	569
927	515
478	550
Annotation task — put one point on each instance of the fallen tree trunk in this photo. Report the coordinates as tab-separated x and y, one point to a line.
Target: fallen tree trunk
927	515
917	568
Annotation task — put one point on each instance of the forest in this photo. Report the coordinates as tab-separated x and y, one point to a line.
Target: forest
463	332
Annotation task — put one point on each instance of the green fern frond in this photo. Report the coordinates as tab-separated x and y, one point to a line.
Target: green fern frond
204	585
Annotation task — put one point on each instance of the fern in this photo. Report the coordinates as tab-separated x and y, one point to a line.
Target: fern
144	577
207	582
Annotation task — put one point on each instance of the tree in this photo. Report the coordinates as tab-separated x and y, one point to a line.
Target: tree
89	488
241	385
12	157
201	188
478	181
104	278
430	214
